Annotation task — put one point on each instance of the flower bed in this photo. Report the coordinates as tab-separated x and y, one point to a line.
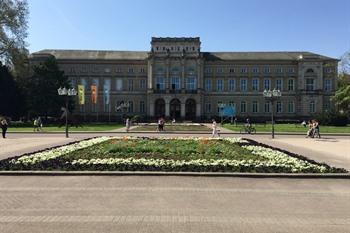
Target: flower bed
164	154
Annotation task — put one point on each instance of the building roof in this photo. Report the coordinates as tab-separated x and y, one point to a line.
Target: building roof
93	54
142	55
288	56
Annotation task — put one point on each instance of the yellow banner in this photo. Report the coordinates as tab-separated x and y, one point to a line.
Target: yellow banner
81	94
93	94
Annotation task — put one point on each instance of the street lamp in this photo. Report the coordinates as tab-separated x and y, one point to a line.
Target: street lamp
272	96
66	92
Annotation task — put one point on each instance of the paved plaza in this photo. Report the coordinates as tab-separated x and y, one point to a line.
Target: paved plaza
172	204
175	203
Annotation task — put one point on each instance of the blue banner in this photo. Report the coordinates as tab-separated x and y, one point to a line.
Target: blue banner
228	111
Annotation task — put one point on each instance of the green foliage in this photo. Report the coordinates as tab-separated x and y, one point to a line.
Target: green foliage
342	98
13	31
332	118
43	97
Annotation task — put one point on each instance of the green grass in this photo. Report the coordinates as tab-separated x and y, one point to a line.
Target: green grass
55	128
295	128
165	149
169	128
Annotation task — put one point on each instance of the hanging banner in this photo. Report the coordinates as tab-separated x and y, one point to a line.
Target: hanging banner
81	94
94	94
106	95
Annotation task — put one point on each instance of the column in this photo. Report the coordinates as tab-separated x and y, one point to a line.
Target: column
198	110
151	109
183	109
183	74
167	108
150	74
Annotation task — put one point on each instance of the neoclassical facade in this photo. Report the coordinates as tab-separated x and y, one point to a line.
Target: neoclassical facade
176	79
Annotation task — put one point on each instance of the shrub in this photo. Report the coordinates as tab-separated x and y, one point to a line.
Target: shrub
332	118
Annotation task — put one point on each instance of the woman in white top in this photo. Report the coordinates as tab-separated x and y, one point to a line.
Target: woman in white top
215	129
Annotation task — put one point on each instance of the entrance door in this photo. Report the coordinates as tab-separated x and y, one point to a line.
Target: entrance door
175	108
159	108
190	109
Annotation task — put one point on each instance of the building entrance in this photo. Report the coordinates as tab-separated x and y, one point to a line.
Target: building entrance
175	108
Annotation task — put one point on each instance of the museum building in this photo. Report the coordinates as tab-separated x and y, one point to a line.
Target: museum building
176	79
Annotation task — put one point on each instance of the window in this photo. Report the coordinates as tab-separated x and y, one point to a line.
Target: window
142	84
309	84
255	84
219	108
255	107
142	106
327	105
279	107
118	70
232	104
266	84
255	70
191	83
208	70
266	70
291	107
208	84
131	70
279	70
243	85
219	85
327	85
131	107
207	107
329	70
312	107
232	70
291	85
142	70
310	71
175	83
231	85
267	107
219	70
119	85
279	84
130	84
291	70
243	107
244	70
160	83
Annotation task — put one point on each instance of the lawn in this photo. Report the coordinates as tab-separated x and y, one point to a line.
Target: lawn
55	128
295	128
171	128
167	154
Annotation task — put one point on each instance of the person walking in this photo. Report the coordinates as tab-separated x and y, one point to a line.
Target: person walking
127	124
4	125
316	127
36	126
214	127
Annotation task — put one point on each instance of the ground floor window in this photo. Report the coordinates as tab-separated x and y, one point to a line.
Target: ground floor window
267	107
207	107
312	107
291	107
243	107
255	107
279	107
142	106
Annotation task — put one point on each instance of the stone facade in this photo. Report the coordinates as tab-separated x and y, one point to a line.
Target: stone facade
175	79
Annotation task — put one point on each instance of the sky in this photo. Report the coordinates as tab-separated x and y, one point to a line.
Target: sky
320	26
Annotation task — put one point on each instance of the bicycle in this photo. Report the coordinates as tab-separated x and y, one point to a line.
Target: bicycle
247	129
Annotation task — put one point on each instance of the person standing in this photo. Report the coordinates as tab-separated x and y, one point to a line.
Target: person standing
4	126
214	126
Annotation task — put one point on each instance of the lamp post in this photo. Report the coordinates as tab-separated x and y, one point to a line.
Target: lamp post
272	96
66	92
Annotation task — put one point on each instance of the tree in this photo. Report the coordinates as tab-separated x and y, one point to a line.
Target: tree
43	98
12	101
13	31
344	64
342	95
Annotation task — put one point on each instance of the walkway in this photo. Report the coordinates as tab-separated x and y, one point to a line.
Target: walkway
125	204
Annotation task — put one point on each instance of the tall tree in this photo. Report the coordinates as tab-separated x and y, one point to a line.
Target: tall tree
43	97
344	64
12	101
342	95
13	31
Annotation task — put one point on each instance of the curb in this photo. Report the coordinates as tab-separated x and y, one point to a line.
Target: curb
175	132
193	174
